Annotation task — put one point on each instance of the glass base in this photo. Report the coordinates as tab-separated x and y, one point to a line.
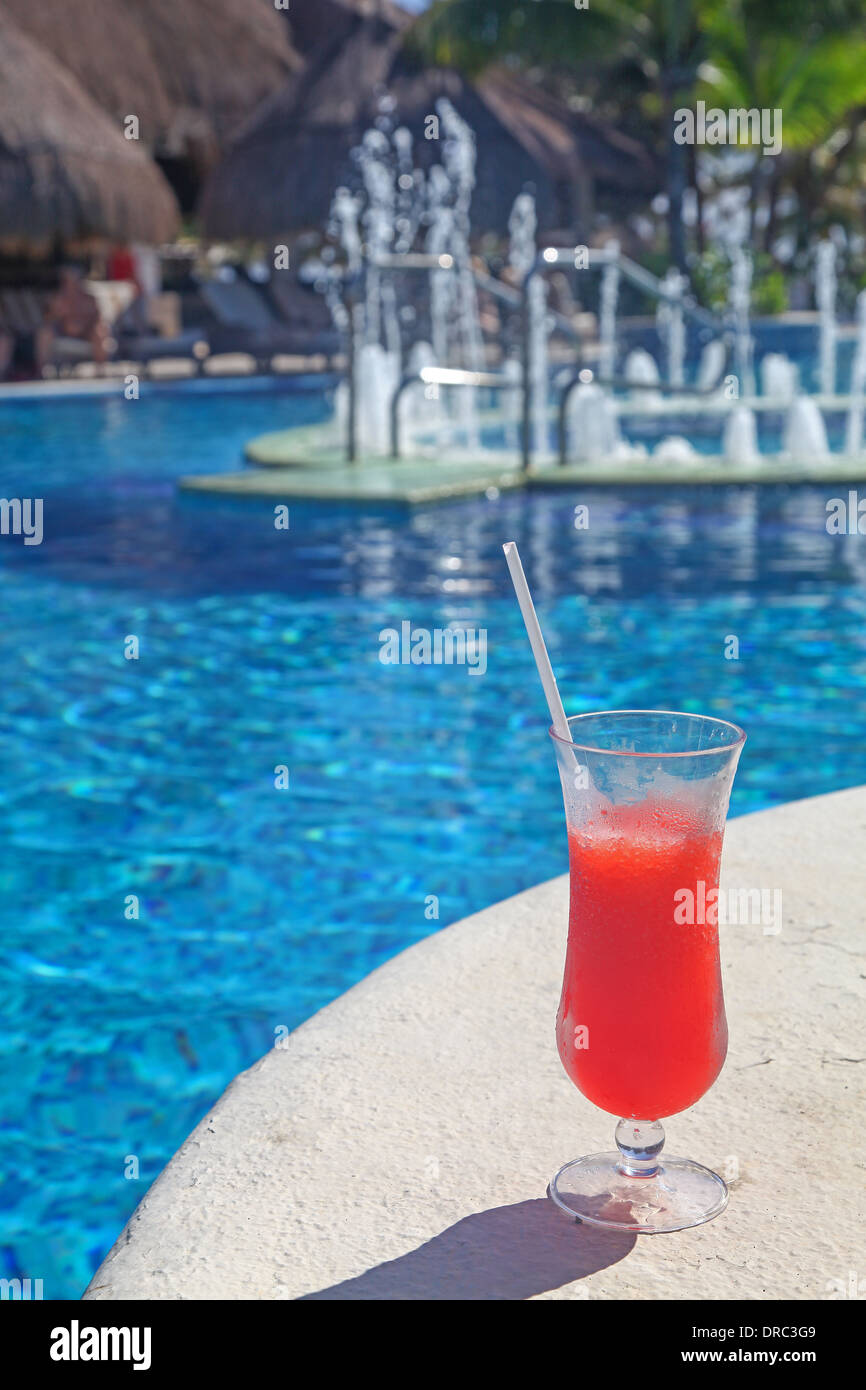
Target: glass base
677	1195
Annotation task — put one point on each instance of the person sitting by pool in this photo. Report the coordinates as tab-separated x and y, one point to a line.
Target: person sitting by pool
73	327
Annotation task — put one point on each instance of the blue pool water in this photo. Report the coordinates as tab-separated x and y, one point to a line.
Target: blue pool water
259	648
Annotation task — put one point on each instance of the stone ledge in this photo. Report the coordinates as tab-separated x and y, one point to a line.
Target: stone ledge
401	1144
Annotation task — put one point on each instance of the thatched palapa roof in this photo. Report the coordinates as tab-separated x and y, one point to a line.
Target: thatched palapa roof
66	171
317	25
191	70
280	172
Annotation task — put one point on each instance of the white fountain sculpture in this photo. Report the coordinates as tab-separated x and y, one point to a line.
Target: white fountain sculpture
854	429
780	377
522	251
409	201
714	355
739	300
740	437
458	161
440	237
377	220
453	303
378	355
396	206
675	449
344	227
378	379
593	427
607	301
825	295
345	214
642	374
670	322
421	408
805	438
377	376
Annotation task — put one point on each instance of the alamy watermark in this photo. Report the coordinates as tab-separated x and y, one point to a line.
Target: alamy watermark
846	518
22	516
421	646
852	1287
77	1343
742	907
738	126
20	1289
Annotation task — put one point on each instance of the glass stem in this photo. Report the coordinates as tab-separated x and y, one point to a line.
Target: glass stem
639	1142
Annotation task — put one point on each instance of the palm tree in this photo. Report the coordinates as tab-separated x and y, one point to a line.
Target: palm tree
652	51
816	78
654	57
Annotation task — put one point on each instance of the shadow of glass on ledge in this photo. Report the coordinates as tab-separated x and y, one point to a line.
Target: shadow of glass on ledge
508	1253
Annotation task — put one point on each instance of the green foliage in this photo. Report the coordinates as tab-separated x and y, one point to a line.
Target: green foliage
470	35
634	62
769	289
710	275
711	278
813	76
765	51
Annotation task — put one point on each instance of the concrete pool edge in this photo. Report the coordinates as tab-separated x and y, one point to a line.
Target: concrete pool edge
406	1132
95	387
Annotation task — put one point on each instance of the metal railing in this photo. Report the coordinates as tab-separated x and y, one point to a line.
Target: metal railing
442	376
599	258
546	260
350	285
618	383
552	256
421	261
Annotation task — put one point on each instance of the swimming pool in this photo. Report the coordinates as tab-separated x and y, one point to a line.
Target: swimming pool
260	648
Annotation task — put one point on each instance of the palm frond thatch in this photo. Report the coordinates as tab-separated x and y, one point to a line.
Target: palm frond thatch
190	70
66	172
281	170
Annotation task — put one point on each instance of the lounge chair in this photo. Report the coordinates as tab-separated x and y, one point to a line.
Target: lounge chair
138	341
301	309
246	322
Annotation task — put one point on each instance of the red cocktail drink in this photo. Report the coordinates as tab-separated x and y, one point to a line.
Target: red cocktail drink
641	1027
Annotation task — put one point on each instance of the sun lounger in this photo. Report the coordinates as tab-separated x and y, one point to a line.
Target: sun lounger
246	322
237	304
298	308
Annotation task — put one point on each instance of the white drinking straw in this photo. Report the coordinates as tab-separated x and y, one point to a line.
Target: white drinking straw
536	641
